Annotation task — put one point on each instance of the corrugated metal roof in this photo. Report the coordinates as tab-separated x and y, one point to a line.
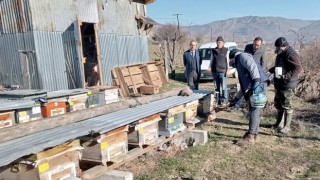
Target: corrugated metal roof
21	93
15	16
64	93
118	17
14	149
50	60
58	15
121	50
73	63
10	69
7	105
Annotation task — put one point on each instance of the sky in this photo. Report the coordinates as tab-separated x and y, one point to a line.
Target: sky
198	12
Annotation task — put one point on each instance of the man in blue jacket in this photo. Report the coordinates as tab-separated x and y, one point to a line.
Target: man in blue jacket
192	60
251	78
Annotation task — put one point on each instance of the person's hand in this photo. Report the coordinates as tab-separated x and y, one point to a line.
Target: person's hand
257	88
209	69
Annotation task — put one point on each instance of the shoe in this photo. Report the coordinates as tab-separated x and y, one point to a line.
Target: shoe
247	134
248	139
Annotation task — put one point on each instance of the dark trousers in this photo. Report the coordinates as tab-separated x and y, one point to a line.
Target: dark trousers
193	80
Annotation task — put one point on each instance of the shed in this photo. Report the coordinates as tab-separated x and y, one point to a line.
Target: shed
47	44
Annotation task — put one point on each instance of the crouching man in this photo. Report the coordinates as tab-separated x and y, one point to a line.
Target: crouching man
251	79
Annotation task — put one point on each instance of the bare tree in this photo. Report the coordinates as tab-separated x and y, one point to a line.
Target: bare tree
300	39
175	40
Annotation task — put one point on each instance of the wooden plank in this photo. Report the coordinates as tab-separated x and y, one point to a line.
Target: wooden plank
128	81
124	71
114	73
149	89
145	75
21	130
149	118
123	85
98	54
154	75
162	74
135	90
137	79
58	149
176	110
134	70
157	83
152	67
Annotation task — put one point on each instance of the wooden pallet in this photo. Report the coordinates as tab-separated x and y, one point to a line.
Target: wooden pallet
130	78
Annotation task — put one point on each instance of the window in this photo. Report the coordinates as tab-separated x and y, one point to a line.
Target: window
206	53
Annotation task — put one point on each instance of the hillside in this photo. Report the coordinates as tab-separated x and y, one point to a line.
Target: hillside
246	28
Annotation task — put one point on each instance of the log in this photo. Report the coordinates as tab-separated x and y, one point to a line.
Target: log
25	129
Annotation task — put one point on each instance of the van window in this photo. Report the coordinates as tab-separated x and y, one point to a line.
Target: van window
232	47
206	53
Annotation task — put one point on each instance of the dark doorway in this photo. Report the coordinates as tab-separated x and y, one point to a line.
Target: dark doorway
90	54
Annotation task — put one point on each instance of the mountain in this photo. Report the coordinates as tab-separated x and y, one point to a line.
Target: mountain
244	29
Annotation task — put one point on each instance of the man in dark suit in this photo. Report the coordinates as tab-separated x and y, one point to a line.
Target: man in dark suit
192	60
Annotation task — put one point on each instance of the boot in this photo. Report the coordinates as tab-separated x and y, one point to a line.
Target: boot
287	121
248	140
280	120
247	134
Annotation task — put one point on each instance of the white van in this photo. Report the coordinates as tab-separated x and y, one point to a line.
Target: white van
206	50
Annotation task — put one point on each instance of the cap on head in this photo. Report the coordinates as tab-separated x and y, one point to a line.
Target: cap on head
233	52
281	42
220	39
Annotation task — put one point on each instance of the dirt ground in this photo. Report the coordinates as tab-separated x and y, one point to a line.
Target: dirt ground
274	156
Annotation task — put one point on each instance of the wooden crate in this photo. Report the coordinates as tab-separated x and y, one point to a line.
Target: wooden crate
60	162
53	108
149	89
172	121
28	114
7	119
77	102
191	110
145	131
207	104
107	147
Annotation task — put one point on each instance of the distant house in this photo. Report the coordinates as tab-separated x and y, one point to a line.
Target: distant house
44	44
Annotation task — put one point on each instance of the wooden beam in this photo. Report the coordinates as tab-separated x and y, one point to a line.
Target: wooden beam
98	54
20	130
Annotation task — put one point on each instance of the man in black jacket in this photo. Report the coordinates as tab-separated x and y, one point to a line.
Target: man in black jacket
219	67
286	72
257	51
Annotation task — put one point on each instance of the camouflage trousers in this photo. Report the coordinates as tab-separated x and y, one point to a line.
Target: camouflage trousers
283	99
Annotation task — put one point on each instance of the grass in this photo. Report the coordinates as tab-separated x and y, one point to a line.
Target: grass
274	156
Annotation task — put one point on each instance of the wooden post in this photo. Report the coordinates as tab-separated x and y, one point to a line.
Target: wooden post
26	84
166	59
